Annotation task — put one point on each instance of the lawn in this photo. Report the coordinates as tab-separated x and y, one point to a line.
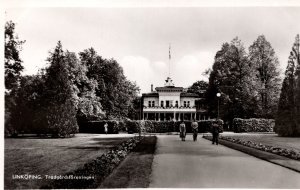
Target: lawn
269	139
36	156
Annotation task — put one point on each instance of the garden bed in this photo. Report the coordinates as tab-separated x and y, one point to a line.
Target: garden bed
264	155
94	172
135	170
290	153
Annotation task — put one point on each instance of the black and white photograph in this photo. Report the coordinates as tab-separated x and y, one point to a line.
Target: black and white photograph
151	94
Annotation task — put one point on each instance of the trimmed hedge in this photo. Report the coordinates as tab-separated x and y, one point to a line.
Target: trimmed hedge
98	126
253	125
149	126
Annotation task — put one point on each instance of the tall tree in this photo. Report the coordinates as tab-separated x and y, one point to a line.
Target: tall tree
287	120
60	95
265	67
229	77
12	60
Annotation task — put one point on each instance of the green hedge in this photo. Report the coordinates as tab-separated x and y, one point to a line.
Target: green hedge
98	126
169	126
253	125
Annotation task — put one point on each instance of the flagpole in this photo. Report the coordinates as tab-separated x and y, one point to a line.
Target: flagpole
169	59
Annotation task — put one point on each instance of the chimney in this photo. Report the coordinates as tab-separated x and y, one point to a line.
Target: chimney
151	87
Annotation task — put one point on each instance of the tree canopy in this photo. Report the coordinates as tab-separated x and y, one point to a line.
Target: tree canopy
12	60
115	91
287	120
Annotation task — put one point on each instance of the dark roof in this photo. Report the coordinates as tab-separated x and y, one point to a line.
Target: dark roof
169	88
187	94
151	94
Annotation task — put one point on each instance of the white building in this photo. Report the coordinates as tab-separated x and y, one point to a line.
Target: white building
172	103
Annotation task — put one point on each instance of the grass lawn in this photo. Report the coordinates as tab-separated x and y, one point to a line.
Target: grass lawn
38	156
270	139
135	170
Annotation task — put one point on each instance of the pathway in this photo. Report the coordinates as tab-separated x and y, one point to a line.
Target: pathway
200	164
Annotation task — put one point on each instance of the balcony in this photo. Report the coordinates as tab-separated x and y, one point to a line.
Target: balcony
169	109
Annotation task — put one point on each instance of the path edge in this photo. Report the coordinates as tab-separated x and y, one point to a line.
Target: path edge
267	156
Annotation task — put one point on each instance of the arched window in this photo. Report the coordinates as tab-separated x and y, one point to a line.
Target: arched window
149	103
176	104
162	103
153	103
184	104
188	104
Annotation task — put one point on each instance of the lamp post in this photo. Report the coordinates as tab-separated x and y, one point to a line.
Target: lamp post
218	96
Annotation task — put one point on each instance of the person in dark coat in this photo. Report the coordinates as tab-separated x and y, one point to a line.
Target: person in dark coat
195	130
215	134
182	130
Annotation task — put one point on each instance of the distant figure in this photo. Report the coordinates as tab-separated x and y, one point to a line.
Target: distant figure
105	128
195	130
215	133
182	130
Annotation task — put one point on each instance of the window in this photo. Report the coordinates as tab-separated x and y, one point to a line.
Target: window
176	104
153	103
184	104
149	103
167	103
188	104
162	103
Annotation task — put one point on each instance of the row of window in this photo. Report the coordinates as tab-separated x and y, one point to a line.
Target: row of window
168	104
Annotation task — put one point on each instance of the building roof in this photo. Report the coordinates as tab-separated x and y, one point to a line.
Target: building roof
169	89
151	94
187	94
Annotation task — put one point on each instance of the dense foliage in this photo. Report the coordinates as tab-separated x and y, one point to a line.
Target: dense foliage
69	90
248	83
287	120
147	126
253	125
116	93
12	60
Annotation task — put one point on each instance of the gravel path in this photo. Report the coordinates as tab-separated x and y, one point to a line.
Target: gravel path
200	164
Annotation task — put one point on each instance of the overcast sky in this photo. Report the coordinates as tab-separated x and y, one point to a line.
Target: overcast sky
138	38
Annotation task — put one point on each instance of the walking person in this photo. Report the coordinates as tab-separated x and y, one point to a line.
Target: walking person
215	133
195	130
182	131
105	128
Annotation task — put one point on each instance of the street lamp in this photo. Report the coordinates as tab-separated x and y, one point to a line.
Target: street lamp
218	95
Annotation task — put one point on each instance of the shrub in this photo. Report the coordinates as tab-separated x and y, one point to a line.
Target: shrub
206	125
149	126
253	125
114	126
133	126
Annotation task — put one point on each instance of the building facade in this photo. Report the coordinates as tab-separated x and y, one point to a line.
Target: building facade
170	103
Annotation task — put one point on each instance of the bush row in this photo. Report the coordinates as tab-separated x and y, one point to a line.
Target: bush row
253	125
98	169
98	126
145	126
275	150
148	126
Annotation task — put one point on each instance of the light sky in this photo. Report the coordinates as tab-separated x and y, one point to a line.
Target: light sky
138	37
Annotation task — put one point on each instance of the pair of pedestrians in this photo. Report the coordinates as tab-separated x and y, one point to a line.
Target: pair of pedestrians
182	130
215	132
